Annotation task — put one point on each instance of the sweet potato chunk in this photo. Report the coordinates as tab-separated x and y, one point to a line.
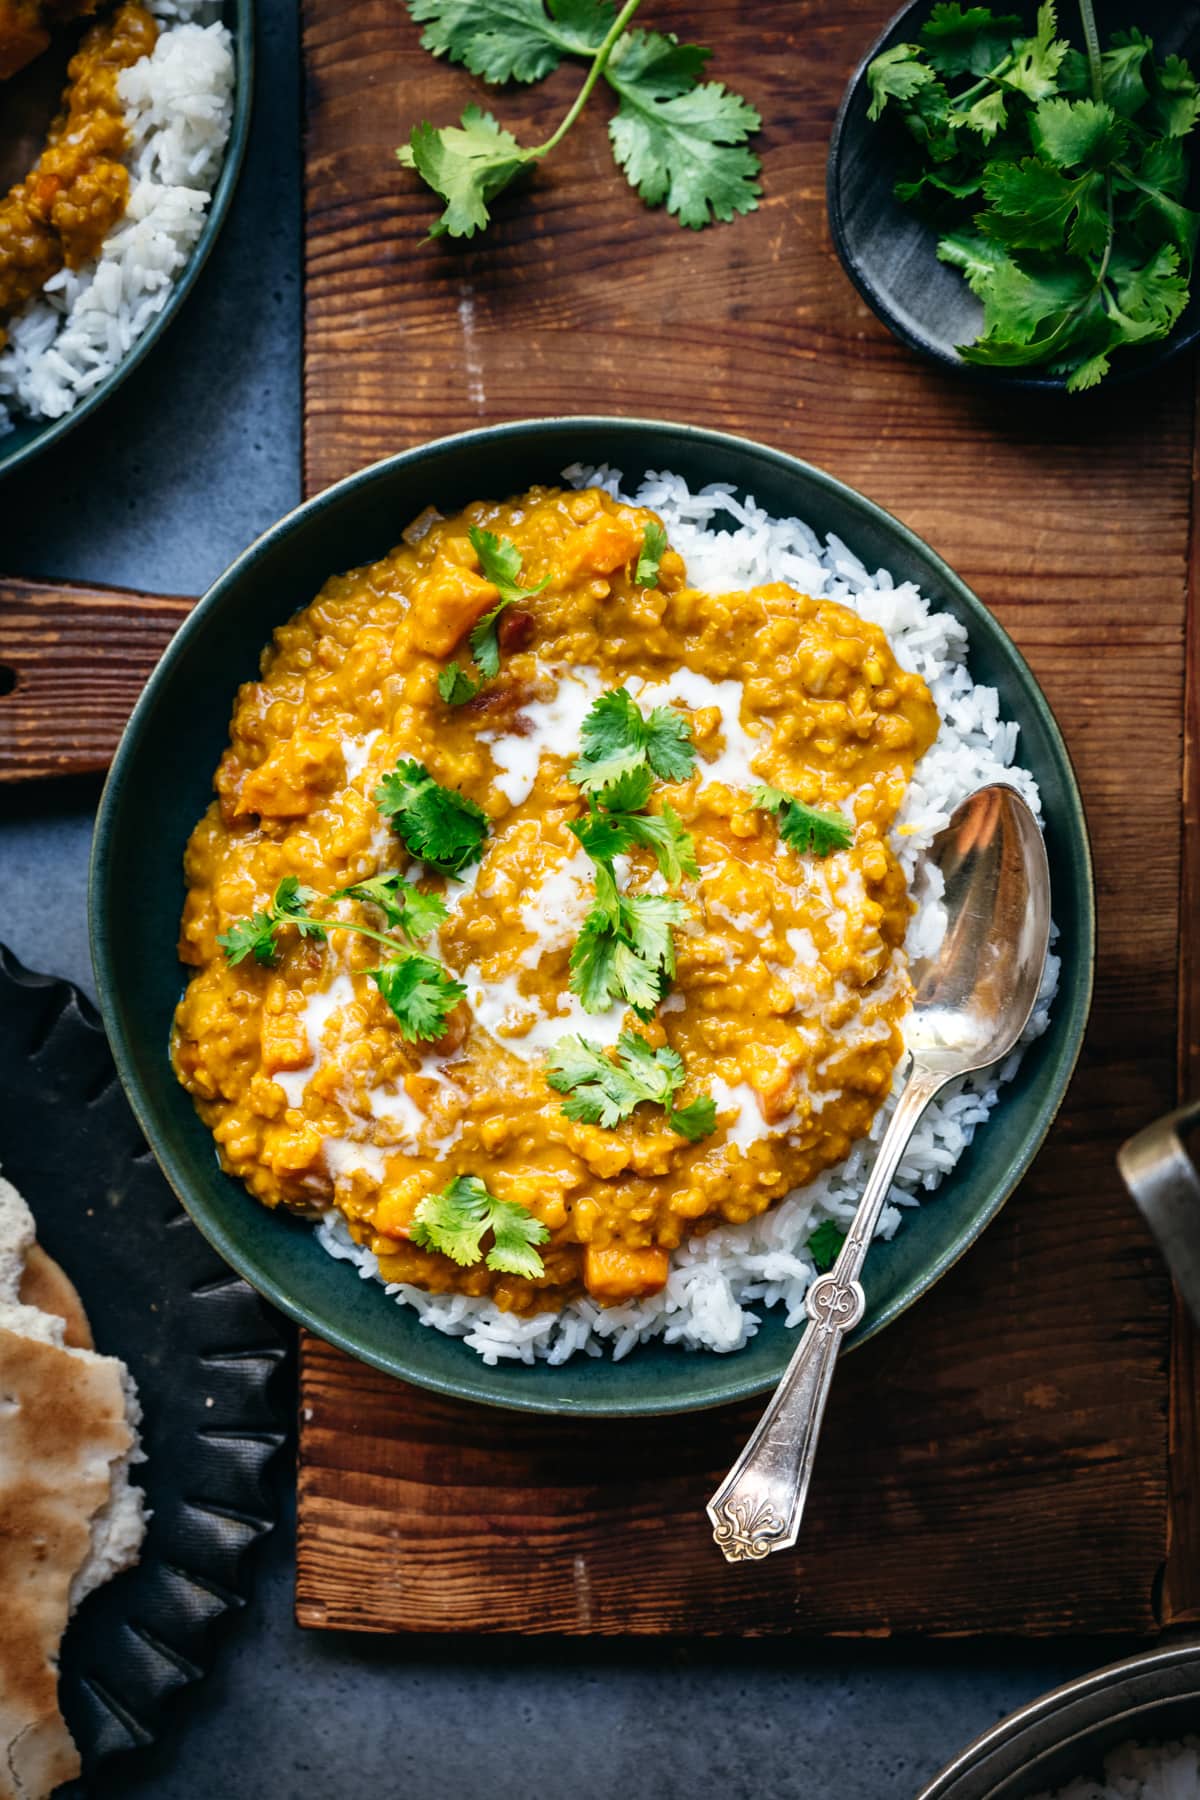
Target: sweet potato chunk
605	543
451	602
616	1272
288	784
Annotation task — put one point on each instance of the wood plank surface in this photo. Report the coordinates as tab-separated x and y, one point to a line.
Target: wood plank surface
73	661
1181	1578
997	1461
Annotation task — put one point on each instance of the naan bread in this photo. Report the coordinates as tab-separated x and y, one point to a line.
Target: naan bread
69	1517
47	1287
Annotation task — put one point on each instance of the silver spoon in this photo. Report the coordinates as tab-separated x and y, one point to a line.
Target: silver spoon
972	1001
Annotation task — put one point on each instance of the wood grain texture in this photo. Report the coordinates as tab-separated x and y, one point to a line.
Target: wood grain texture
1181	1578
73	661
998	1460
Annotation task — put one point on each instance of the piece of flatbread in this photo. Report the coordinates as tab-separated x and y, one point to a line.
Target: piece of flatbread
50	1289
69	1516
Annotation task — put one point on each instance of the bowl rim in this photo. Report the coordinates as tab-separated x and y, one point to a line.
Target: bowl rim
1056	1718
472	1384
52	431
1154	357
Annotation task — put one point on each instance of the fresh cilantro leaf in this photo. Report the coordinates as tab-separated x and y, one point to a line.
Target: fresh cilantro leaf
625	950
825	1245
1154	292
1069	132
467	165
664	834
457	687
511	40
684	147
612	738
290	907
977	257
444	828
250	936
1039	59
500	561
669	747
988	116
897	74
695	1120
455	1221
605	835
420	992
1122	67
807	830
605	1090
654	544
630	791
404	906
1174	98
618	738
1034	206
970	41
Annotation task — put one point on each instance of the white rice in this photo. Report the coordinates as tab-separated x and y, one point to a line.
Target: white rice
721	1281
178	107
1140	1772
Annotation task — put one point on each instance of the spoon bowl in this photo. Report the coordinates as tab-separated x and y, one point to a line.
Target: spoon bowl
973	997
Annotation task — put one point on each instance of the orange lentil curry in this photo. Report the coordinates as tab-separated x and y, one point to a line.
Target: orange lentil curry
790	985
78	189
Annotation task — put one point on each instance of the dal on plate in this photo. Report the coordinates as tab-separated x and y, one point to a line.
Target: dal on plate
790	988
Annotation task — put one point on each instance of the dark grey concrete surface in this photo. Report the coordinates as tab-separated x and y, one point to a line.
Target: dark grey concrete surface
200	451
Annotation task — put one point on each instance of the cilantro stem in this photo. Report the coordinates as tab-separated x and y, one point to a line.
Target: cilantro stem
599	62
1091	39
363	931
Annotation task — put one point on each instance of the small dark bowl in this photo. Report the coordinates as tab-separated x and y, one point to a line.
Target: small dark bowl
30	437
1153	1697
889	251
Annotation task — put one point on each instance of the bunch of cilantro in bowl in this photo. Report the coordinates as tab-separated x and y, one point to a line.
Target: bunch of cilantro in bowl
1058	177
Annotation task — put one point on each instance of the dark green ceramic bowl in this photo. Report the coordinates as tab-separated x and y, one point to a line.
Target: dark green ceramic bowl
161	782
31	436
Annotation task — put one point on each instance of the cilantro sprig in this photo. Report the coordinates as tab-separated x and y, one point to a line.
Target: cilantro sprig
680	140
1058	178
603	1091
625	949
445	828
825	1244
419	990
457	1218
654	548
617	739
500	561
808	830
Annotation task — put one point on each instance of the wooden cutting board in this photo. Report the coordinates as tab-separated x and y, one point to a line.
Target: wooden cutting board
998	1460
1017	1454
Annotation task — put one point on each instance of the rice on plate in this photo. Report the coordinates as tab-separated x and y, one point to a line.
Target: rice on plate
178	107
1140	1772
721	1280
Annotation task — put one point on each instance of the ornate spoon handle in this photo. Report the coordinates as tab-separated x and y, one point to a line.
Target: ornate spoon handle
758	1506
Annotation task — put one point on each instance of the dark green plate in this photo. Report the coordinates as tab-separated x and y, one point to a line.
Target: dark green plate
161	782
31	437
